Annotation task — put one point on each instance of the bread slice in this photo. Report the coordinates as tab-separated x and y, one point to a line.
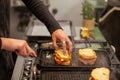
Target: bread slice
87	53
100	74
59	53
87	56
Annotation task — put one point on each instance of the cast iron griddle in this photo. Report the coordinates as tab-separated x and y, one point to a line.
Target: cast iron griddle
103	59
64	75
52	74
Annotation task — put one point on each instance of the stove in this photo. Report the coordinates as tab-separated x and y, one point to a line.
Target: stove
44	67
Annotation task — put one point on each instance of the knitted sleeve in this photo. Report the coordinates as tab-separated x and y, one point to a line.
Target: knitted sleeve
42	13
0	43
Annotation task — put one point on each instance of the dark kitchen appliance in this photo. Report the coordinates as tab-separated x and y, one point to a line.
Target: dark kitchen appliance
109	23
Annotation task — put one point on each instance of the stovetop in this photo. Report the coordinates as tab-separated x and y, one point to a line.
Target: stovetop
35	69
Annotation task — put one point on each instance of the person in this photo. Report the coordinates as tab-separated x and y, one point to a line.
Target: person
21	47
43	14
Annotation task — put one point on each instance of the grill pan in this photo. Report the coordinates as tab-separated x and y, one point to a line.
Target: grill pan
64	75
103	60
47	69
78	74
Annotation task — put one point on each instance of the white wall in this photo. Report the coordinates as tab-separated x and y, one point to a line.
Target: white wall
67	10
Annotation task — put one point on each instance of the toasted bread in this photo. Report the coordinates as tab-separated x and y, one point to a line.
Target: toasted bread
85	32
61	58
100	74
87	56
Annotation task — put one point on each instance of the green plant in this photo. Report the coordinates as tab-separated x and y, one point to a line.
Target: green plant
87	10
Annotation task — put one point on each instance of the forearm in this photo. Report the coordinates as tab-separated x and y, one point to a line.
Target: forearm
20	47
7	44
42	13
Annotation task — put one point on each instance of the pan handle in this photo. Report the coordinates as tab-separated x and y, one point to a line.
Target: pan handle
111	51
115	65
113	48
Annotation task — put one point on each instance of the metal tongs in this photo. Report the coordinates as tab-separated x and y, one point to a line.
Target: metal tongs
87	41
38	59
44	61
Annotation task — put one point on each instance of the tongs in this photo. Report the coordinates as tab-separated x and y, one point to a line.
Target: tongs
38	59
44	61
87	41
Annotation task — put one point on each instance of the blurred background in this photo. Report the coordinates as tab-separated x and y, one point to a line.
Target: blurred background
20	16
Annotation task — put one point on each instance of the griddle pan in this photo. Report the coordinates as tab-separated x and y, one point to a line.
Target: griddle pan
78	74
103	60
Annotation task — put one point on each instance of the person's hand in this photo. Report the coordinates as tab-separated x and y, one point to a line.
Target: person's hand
19	46
61	36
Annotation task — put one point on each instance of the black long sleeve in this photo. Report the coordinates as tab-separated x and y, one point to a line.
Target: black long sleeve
0	43
42	13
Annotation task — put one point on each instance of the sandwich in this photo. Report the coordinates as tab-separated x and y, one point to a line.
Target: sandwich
84	33
61	58
100	74
87	56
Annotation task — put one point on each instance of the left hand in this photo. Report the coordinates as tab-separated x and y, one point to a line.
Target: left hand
21	47
61	36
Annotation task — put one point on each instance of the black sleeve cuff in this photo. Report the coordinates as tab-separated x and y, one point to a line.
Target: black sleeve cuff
0	43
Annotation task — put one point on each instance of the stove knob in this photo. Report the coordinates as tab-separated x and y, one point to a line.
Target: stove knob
25	78
27	67
28	62
38	72
26	73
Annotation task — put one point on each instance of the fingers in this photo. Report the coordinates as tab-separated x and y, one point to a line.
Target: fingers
25	51
67	44
59	35
64	46
55	43
30	51
22	52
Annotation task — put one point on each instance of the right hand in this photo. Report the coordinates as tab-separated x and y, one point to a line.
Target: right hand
60	35
19	46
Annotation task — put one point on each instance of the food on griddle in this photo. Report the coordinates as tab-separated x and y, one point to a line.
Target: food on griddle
84	33
87	56
102	73
61	58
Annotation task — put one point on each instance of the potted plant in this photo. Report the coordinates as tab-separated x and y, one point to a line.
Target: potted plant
88	15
